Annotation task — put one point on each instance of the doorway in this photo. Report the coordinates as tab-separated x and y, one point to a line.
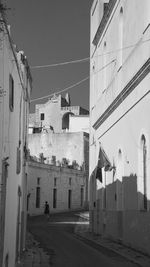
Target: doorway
3	207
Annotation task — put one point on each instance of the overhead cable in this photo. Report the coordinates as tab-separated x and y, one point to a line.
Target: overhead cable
73	85
61	63
87	58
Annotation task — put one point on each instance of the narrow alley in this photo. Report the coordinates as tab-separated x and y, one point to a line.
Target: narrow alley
58	236
74	133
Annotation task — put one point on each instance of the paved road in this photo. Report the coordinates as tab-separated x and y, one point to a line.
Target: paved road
58	237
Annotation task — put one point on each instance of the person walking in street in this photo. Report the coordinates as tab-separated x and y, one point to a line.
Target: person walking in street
46	209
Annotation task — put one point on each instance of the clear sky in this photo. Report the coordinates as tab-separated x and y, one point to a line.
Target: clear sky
53	31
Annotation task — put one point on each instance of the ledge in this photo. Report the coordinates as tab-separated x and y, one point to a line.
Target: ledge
131	85
104	21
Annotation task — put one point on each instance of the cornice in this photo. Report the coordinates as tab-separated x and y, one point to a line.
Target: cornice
104	21
131	85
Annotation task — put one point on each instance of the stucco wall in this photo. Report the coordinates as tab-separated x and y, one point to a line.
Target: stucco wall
52	115
130	227
47	173
79	123
119	108
61	145
13	136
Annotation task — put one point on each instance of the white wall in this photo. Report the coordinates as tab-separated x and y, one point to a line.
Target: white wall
79	123
61	145
123	124
13	134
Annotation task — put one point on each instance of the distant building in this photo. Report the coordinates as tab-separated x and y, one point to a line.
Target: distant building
54	115
15	88
54	133
62	187
57	148
119	119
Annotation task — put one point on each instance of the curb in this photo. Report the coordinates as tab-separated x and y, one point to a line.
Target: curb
82	216
98	246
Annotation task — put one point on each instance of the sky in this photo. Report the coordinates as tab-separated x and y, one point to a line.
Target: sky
49	32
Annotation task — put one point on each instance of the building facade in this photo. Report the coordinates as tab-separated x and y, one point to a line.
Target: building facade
15	88
71	149
79	123
54	115
119	123
62	187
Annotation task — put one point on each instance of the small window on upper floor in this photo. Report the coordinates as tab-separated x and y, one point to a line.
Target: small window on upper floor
70	180
11	93
55	181
38	181
42	116
94	8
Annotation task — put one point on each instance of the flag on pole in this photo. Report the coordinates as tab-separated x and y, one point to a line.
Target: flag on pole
103	162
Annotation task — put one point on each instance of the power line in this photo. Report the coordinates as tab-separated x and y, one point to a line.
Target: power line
63	90
87	58
80	60
73	85
61	63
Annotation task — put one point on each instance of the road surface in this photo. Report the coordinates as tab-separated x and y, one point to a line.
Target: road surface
58	237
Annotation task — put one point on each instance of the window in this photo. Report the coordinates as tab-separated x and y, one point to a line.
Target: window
54	198
94	8
69	198
37	197
11	93
144	170
70	181
119	177
42	116
55	181
38	181
18	161
82	196
120	32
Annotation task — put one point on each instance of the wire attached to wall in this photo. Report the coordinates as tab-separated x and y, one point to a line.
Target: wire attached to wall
73	85
85	59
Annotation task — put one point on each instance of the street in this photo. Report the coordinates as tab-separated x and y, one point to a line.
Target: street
58	237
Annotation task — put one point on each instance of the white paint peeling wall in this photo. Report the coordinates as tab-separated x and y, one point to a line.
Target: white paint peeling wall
61	145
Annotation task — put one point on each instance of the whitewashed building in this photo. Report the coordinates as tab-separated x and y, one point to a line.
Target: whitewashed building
119	121
79	123
63	188
54	115
15	88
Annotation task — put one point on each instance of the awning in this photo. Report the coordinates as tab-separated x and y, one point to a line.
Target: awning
103	162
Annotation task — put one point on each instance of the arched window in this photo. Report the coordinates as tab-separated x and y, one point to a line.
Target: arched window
144	170
65	120
119	177
120	166
120	36
104	72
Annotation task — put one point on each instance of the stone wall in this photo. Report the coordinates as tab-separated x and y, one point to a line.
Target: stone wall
61	145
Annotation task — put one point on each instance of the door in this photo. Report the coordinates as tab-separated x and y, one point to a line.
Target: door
18	226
